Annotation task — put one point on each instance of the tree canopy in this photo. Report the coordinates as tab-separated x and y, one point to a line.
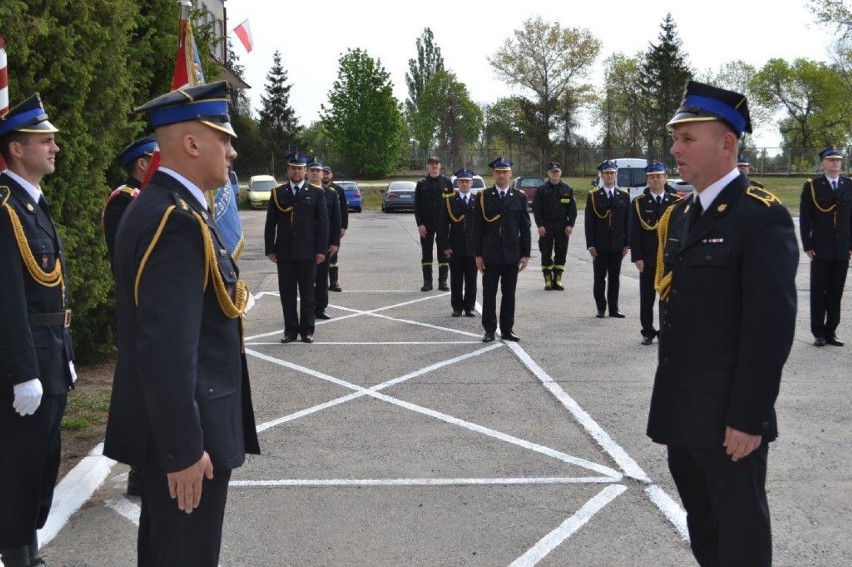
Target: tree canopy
278	122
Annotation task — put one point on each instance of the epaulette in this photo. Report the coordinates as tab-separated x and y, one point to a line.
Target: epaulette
4	194
521	191
446	195
763	195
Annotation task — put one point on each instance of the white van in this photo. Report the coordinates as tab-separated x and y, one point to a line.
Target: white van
631	175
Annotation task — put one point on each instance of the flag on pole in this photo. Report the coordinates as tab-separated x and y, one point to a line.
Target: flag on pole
243	32
4	88
188	72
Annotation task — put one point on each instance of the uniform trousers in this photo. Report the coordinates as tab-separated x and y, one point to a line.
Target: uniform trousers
427	244
30	448
726	509
553	247
462	282
506	275
321	286
827	280
607	265
296	278
647	296
169	537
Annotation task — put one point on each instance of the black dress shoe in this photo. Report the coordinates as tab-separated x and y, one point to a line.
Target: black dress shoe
307	338
322	315
819	341
617	314
336	288
456	313
489	337
469	313
600	314
443	286
510	336
834	341
134	482
289	338
647	340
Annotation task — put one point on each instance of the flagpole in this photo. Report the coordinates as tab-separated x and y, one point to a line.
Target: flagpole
4	88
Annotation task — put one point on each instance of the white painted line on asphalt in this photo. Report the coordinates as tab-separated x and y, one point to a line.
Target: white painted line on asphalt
74	490
552	540
671	509
359	394
427	325
354	343
336	482
126	508
630	467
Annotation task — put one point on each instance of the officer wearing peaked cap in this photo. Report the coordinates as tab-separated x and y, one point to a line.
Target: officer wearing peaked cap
500	235
744	165
727	277
36	368
645	213
454	245
333	269
555	211
825	222
607	236
332	203
181	402
296	239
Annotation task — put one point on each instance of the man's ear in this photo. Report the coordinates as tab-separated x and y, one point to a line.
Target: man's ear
191	145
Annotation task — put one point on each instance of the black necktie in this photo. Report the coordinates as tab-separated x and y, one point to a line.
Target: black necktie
659	200
834	184
697	209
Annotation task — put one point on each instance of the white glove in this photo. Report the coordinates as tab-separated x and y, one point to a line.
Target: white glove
73	372
27	397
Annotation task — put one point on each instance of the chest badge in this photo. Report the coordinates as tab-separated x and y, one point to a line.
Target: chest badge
44	260
30	207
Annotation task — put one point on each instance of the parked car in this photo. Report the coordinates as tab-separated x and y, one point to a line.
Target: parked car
631	176
260	190
683	188
234	181
478	184
529	184
399	196
354	200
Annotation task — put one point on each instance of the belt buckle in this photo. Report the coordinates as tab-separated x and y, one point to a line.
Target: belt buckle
67	322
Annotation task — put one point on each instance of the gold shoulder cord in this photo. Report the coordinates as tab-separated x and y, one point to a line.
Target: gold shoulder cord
47	279
288	210
231	308
814	199
595	209
495	218
642	222
450	212
663	283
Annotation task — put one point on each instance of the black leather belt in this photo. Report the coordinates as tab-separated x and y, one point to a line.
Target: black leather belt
51	319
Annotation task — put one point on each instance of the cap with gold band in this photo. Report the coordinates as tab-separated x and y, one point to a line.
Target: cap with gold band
136	149
207	104
297	159
703	103
29	117
501	164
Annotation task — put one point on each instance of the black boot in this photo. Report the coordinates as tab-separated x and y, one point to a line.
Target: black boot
15	556
332	276
443	270
427	278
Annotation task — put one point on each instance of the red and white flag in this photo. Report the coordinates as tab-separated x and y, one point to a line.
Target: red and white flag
4	88
243	32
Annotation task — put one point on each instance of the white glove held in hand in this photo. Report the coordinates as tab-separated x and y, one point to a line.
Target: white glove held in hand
27	397
73	372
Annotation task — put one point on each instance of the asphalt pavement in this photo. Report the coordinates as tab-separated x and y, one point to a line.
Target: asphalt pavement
398	438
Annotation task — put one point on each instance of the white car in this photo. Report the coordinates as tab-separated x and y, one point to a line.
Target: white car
478	184
260	190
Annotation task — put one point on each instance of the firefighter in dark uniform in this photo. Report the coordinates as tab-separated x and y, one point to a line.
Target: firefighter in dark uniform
333	270
429	195
554	211
501	241
744	165
135	158
454	244
607	236
825	222
36	357
645	213
296	239
728	285
332	203
181	403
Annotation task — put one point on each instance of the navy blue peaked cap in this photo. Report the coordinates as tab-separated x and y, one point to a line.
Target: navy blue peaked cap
703	103
136	149
206	103
29	116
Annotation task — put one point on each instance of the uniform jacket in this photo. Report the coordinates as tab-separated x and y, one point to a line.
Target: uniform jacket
607	222
332	204
501	229
825	218
728	322
429	194
344	205
645	215
114	208
296	226
554	205
26	351
455	224
181	385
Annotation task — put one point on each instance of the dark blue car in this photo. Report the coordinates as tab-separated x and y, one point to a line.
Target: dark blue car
353	195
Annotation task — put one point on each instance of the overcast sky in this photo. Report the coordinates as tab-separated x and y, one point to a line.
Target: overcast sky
313	36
